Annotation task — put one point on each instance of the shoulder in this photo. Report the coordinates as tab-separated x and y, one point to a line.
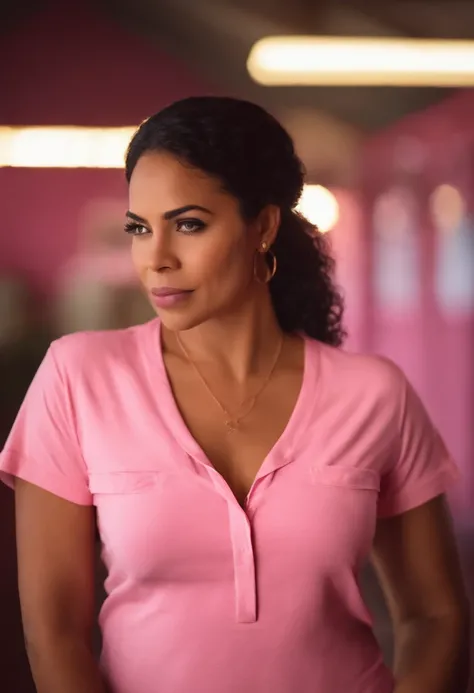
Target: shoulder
353	372
367	390
81	352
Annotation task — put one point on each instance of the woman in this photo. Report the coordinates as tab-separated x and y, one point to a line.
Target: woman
242	466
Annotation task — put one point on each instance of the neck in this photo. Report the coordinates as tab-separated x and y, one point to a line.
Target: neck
241	342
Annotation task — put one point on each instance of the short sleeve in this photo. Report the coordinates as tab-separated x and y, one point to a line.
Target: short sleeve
421	467
43	447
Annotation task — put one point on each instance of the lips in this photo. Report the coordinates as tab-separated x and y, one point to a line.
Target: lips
168	291
169	297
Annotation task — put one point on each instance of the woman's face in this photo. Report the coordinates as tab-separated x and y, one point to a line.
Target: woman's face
193	251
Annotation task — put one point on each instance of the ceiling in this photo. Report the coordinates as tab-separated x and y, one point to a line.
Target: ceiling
328	124
215	36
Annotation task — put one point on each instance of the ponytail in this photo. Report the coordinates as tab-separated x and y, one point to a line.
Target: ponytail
304	296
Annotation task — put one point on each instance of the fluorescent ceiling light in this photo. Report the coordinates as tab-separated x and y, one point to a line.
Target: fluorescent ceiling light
64	147
354	61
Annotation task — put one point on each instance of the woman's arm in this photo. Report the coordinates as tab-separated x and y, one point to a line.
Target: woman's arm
416	560
55	540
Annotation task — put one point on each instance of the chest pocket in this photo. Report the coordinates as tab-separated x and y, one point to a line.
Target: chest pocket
347	498
110	483
125	503
347	477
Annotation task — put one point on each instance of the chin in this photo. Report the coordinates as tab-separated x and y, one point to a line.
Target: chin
176	321
187	317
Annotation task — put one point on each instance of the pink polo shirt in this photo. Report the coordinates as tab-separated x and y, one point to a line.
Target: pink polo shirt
203	595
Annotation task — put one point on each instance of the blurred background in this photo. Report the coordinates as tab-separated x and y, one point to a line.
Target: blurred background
384	123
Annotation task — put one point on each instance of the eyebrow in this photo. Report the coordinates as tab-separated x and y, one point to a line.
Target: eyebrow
171	214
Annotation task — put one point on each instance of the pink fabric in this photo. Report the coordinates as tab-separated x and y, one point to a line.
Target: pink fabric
202	594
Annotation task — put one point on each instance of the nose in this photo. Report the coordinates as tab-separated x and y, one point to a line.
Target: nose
158	253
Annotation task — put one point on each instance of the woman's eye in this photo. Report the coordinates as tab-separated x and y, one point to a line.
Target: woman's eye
190	225
135	229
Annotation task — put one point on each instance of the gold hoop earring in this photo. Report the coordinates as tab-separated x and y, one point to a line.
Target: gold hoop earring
273	268
270	271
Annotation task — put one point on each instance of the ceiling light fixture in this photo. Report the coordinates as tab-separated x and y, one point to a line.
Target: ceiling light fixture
64	147
355	61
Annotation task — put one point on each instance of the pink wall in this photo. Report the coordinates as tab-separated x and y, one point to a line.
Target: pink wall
69	66
349	246
434	346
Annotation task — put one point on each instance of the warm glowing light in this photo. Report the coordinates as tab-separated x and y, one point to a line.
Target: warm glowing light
356	61
319	206
447	207
64	147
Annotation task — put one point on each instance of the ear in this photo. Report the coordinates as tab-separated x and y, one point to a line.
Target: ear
268	223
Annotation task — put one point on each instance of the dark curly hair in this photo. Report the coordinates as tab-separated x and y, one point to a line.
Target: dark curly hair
253	156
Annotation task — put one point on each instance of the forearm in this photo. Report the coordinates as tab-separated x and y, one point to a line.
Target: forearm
65	664
432	655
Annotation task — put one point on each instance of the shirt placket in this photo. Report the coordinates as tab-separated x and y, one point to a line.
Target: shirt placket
245	584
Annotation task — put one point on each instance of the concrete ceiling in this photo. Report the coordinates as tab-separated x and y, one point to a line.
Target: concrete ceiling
214	37
328	124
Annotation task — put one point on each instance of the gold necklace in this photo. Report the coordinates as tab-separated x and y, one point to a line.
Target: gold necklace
232	423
